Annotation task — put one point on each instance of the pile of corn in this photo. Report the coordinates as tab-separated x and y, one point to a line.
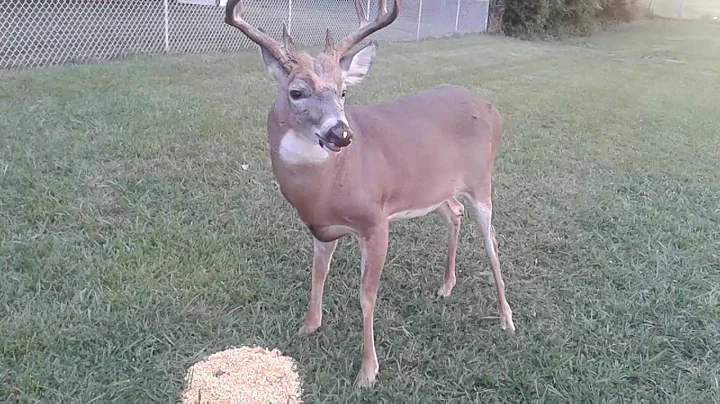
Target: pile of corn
243	375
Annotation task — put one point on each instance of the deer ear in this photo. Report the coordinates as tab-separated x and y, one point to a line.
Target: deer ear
356	65
273	66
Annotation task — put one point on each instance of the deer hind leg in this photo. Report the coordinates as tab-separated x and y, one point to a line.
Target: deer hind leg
322	255
452	211
484	218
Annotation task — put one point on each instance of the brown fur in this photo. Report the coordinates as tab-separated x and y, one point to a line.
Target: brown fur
452	150
409	154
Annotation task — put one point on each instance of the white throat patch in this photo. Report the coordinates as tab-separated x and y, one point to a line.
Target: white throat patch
294	149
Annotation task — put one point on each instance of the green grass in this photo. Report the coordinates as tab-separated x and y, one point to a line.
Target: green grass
133	243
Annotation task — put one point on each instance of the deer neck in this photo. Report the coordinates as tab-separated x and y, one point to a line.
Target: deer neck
305	171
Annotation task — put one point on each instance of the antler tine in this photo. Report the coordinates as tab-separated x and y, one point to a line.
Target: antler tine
233	17
361	10
384	18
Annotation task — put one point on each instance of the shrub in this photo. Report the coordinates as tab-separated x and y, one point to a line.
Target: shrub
541	18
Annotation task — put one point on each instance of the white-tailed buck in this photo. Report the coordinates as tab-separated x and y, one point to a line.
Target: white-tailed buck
351	170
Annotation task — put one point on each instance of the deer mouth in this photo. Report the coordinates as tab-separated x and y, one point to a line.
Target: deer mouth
327	145
338	137
332	143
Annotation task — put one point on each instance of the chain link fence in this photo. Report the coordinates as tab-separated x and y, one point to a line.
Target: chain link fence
38	33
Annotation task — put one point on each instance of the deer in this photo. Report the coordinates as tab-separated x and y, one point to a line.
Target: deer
352	170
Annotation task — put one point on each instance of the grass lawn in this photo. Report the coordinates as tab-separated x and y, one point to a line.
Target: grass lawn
141	230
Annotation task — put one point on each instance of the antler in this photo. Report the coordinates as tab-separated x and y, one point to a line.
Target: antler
233	17
366	29
361	10
383	5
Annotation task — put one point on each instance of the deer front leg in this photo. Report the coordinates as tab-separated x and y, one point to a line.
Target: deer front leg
373	250
322	255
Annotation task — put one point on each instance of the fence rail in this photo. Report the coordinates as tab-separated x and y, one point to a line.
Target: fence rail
39	33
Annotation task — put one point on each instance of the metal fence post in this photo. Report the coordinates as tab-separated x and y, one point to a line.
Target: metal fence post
289	16
167	28
417	36
457	15
487	17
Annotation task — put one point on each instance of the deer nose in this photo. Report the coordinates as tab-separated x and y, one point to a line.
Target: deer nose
340	135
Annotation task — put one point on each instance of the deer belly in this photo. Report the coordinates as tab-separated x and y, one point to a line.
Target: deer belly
327	234
411	214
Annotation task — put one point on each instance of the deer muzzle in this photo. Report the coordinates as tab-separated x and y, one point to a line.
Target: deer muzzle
337	137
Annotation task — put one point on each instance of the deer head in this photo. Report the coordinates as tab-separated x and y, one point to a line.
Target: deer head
311	90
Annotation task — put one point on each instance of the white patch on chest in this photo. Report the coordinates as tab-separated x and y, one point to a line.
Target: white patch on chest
294	149
411	214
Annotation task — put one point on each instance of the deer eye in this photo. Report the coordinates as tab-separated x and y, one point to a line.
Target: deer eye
295	94
344	93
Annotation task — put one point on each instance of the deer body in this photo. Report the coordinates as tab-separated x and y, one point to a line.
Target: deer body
452	147
354	170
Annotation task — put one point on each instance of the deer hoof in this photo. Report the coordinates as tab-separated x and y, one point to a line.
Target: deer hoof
366	378
506	322
309	329
444	292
